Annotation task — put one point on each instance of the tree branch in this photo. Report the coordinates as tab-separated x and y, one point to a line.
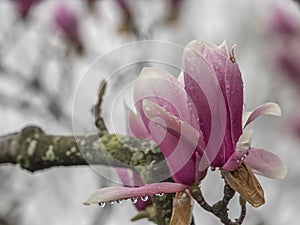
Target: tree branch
34	150
219	209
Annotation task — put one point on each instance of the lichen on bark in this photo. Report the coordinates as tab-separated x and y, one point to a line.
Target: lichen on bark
33	150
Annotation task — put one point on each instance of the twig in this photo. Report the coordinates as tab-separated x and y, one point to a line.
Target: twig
197	195
243	210
97	110
219	209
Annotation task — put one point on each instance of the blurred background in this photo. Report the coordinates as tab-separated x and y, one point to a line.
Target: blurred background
48	46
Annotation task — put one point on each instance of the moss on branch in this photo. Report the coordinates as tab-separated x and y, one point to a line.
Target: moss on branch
34	150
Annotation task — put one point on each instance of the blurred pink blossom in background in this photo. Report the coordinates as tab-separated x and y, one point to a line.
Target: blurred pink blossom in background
67	22
174	9
284	28
126	24
23	7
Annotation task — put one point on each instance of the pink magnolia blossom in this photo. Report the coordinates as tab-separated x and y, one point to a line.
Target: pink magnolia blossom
67	22
293	124
23	7
197	121
283	22
127	23
235	147
174	10
285	30
123	5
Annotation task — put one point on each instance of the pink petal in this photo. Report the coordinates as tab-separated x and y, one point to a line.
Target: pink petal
179	142
269	108
201	47
218	58
118	193
173	124
266	163
181	156
181	79
241	152
135	125
223	49
131	178
203	87
234	94
165	90
232	87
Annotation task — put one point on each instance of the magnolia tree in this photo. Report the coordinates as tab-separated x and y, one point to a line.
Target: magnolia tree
178	128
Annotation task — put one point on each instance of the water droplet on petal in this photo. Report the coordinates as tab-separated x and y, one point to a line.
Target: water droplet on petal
159	194
144	198
147	108
112	202
119	201
101	204
134	199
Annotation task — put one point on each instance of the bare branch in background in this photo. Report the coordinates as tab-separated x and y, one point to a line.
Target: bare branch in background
97	110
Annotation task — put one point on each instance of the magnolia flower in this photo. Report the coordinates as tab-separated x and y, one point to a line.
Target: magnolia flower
283	22
293	125
23	7
197	121
235	148
67	22
285	32
127	23
174	9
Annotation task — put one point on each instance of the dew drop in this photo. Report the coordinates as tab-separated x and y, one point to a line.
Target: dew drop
112	202
119	201
101	204
159	194
144	198
147	108
134	199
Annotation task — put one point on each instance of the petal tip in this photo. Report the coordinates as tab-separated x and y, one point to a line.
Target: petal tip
274	110
86	203
283	173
